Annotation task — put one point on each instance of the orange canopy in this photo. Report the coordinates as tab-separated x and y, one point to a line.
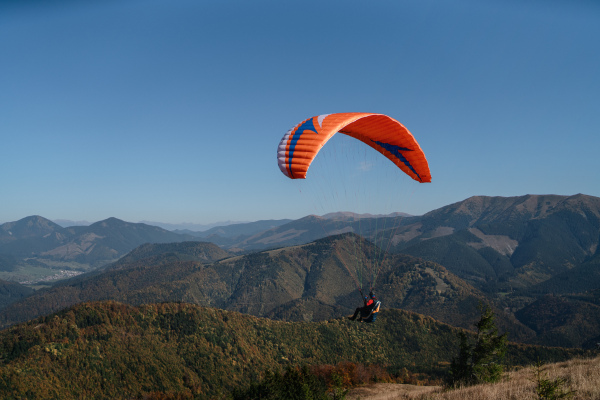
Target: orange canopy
300	145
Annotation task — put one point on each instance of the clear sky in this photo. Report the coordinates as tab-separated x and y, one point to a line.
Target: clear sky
172	110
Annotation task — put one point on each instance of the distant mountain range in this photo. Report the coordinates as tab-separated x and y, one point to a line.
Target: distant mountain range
510	251
35	249
35	243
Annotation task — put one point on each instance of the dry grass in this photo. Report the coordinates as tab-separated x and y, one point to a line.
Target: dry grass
581	375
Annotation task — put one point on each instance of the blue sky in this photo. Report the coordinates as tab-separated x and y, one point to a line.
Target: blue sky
172	111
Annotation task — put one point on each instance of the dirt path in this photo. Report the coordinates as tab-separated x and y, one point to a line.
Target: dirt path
387	391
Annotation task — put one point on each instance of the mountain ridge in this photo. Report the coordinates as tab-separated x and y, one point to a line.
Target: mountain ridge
546	234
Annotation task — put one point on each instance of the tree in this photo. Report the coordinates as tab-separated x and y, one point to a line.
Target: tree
461	369
480	362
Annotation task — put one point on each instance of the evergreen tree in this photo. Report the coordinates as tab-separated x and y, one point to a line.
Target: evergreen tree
480	362
461	369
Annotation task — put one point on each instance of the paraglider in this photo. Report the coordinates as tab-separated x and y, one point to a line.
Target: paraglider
369	312
389	138
300	145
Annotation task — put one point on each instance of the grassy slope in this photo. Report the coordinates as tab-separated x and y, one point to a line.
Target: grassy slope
581	376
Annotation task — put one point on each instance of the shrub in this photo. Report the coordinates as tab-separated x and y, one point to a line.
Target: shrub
550	389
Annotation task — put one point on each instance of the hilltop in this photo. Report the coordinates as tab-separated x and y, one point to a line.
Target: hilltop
113	350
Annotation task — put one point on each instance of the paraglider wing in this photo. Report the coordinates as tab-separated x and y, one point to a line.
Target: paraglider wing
301	144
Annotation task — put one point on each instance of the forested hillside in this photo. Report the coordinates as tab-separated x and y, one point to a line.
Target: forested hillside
112	350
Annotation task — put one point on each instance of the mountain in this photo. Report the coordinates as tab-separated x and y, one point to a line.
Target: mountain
183	251
34	244
495	243
113	238
176	350
30	236
517	241
311	282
